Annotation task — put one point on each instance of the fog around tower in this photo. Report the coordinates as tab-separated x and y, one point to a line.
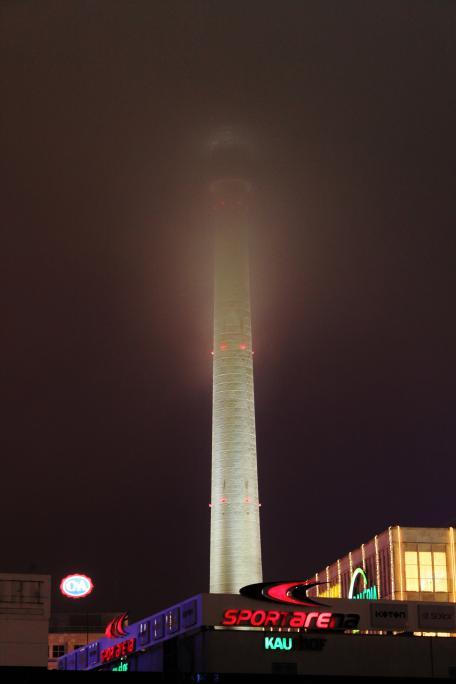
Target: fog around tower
107	275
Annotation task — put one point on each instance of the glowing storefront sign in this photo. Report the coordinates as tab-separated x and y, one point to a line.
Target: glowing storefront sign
282	592
276	643
367	593
297	618
116	628
120	650
121	667
76	586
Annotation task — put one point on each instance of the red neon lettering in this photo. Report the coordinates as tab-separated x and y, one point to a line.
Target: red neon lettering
284	621
323	620
298	619
258	617
118	650
272	618
229	617
244	616
310	617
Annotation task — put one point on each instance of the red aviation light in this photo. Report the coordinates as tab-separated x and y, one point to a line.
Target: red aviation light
242	346
223	346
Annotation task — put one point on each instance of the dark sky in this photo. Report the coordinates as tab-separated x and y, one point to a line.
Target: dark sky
106	276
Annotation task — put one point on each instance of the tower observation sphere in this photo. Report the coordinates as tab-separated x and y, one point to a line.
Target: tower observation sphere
235	556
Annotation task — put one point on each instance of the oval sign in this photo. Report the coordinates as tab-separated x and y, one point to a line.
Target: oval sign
76	586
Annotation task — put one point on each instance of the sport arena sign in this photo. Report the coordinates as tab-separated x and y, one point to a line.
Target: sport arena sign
244	617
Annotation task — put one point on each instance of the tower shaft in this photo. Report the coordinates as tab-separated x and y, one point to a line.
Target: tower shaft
235	524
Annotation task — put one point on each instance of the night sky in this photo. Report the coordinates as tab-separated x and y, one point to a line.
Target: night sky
106	294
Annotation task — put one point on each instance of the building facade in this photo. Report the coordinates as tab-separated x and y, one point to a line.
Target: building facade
235	546
70	631
24	620
401	563
229	633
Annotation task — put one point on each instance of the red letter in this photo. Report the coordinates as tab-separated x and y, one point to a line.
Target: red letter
258	617
244	616
284	621
272	617
229	617
310	617
323	620
298	619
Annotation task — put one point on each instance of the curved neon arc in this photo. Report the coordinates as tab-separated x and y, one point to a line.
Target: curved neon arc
358	571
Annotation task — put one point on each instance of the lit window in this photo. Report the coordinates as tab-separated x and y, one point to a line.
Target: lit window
440	571
426	575
411	571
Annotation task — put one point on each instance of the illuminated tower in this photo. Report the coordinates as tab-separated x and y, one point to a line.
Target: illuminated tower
235	522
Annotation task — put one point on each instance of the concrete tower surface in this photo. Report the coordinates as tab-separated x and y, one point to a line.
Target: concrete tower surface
235	522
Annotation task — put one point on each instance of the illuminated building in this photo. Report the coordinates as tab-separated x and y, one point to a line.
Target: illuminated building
229	633
401	563
235	556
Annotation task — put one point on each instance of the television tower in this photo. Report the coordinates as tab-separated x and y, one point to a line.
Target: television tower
235	522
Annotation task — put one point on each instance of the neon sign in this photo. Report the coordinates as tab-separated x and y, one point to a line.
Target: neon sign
234	617
282	592
119	650
76	586
278	643
116	628
121	667
367	593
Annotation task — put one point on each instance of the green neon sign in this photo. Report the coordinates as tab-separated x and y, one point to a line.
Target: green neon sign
275	643
369	593
121	667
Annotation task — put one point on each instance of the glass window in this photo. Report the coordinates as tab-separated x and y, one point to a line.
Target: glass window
158	627
411	571
426	574
17	589
440	571
143	635
172	621
58	650
82	658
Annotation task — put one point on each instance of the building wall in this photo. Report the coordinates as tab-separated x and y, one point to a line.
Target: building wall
24	619
243	651
404	563
61	644
70	631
